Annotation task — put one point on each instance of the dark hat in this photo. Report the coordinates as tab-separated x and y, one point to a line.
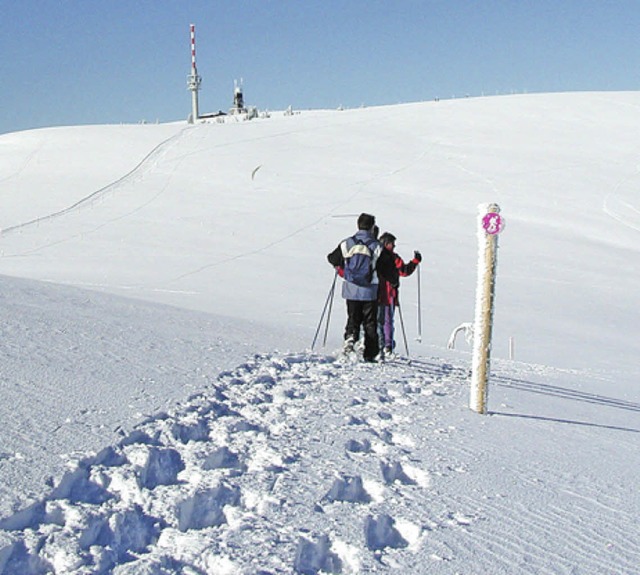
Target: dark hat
366	221
387	238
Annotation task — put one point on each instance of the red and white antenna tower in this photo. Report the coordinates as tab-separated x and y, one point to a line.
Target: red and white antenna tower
193	80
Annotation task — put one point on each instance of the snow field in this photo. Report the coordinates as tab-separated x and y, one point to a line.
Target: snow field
270	458
180	456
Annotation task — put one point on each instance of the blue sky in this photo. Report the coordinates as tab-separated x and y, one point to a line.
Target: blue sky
68	62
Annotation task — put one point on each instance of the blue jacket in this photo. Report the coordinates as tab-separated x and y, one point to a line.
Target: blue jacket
382	263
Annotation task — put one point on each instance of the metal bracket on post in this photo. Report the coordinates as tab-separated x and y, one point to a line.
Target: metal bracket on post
490	224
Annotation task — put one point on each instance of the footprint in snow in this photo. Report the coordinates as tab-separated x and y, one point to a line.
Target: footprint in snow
185	432
314	558
393	472
205	508
155	466
355	446
348	489
380	533
223	458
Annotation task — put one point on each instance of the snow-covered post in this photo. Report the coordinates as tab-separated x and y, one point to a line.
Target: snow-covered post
490	224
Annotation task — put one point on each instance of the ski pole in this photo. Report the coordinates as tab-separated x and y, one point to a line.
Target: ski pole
324	310
326	328
404	335
419	338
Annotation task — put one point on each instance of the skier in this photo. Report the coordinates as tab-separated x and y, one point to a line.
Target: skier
388	296
361	260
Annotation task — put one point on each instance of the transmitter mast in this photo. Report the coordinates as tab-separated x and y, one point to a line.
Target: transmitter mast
193	80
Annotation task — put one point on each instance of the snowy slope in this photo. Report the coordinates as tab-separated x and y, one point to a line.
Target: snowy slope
187	215
198	443
79	369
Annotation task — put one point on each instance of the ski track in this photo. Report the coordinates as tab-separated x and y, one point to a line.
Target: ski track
621	204
196	490
160	152
622	211
143	166
17	171
359	187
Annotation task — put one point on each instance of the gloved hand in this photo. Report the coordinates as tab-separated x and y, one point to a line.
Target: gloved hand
417	256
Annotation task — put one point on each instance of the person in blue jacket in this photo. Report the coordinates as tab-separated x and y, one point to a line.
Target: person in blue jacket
360	260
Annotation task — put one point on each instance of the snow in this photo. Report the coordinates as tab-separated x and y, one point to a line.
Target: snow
162	412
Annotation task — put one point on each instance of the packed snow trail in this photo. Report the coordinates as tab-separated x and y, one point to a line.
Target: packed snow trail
307	464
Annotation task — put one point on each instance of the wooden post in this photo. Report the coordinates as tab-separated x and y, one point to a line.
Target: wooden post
489	225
